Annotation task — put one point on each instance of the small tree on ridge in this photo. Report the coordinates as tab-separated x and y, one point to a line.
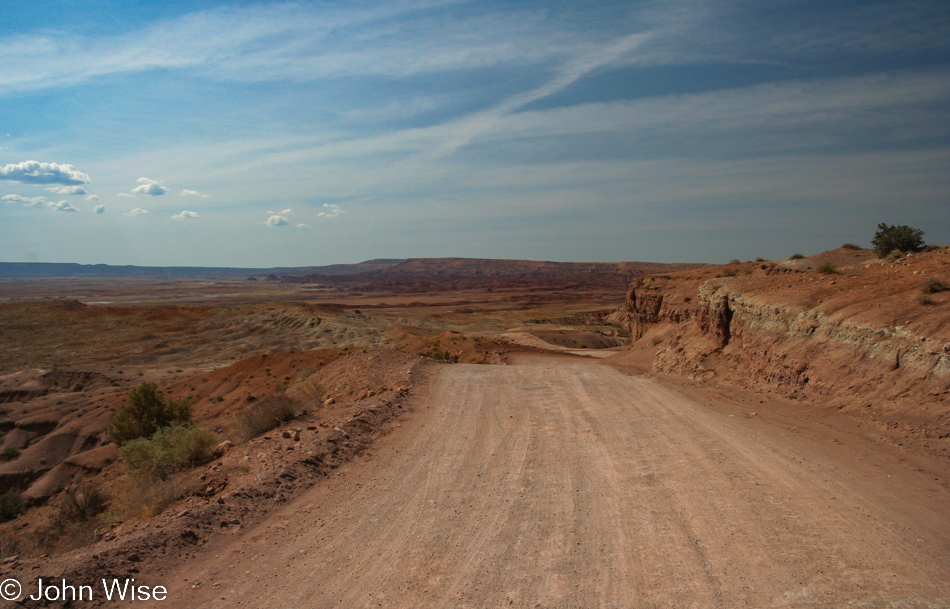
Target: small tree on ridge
898	237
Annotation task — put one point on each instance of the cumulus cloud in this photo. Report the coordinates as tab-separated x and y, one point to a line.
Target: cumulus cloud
27	201
99	209
92	198
34	172
194	193
63	206
331	210
149	187
138	211
277	220
302	225
185	215
67	190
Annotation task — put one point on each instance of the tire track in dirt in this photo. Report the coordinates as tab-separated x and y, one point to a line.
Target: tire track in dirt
574	485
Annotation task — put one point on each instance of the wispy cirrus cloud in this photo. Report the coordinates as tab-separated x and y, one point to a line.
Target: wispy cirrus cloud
34	172
138	211
194	193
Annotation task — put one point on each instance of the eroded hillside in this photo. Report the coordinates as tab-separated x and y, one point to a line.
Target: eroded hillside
839	330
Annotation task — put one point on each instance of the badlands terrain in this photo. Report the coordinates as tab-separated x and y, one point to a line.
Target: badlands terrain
495	433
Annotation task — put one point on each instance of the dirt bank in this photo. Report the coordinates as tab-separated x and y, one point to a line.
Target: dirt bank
859	339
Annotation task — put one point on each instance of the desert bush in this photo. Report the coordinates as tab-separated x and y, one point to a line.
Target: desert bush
266	415
900	237
687	298
9	454
925	299
170	450
149	498
735	261
311	394
146	412
797	256
83	502
11	505
850	246
933	286
729	272
827	268
894	256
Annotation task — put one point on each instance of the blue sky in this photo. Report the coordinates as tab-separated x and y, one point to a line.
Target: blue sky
273	133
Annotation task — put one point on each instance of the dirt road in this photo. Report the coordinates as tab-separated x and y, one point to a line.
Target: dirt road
564	485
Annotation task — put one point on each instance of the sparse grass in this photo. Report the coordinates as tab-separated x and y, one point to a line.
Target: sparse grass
728	272
797	256
925	299
145	499
894	256
9	454
933	286
827	268
735	261
266	415
170	450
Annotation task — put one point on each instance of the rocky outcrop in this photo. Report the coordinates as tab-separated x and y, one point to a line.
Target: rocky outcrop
857	341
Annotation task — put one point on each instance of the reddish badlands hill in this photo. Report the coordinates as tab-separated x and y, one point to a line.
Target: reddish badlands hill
867	336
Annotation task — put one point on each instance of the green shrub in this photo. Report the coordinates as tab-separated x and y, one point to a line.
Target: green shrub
266	415
850	246
146	412
827	268
170	450
933	286
9	454
899	237
925	299
797	256
11	505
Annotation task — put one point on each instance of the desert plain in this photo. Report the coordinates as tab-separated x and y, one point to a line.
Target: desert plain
483	433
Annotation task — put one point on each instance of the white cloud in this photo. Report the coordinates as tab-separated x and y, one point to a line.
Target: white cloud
92	198
194	193
28	201
67	190
149	187
124	194
286	212
138	211
185	215
302	225
331	210
277	220
34	172
99	209
63	206
38	202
